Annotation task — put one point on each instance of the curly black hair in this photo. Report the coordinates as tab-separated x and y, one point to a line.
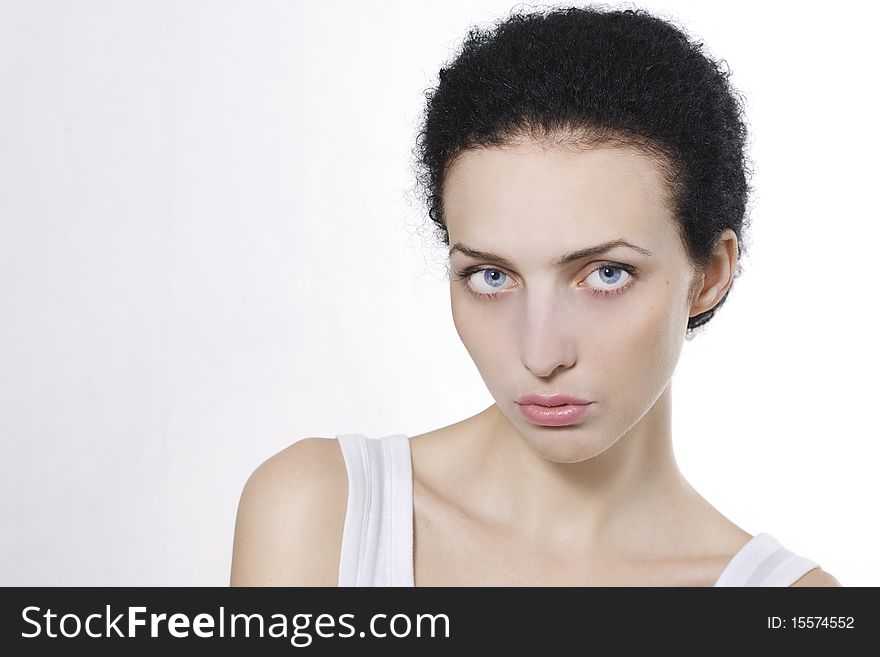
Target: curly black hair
582	76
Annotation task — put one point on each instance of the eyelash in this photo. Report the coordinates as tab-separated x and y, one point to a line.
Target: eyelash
470	271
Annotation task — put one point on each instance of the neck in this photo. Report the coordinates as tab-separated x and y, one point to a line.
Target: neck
625	499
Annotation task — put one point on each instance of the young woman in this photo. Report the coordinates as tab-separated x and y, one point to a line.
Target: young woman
586	170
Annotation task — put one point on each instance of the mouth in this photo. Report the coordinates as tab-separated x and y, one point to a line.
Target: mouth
551	401
557	415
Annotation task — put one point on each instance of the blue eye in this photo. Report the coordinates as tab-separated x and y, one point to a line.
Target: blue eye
492	279
603	270
489	284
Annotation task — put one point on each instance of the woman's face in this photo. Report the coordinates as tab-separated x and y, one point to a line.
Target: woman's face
608	327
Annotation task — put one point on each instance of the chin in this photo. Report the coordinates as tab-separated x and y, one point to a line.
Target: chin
565	444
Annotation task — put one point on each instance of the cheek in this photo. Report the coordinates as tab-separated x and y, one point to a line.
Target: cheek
641	355
472	326
481	330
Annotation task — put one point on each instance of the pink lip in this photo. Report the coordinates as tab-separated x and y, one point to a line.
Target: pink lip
552	400
554	416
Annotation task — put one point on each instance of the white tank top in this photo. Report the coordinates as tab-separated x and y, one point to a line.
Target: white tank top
377	539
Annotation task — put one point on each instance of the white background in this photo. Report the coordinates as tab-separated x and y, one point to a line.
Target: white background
209	249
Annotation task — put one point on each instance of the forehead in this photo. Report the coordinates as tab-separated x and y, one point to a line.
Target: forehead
601	192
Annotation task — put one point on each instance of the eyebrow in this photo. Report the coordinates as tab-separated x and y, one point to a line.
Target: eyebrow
564	259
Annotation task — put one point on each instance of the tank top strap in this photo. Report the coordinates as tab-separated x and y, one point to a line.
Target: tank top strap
377	539
764	561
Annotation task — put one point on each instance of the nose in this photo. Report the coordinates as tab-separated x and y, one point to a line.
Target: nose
548	341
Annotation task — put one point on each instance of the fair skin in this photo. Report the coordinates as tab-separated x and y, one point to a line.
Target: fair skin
499	500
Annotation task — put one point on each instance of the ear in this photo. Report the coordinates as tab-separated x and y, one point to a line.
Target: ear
712	283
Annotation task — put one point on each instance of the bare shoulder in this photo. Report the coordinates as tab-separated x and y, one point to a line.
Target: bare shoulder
288	529
817	577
